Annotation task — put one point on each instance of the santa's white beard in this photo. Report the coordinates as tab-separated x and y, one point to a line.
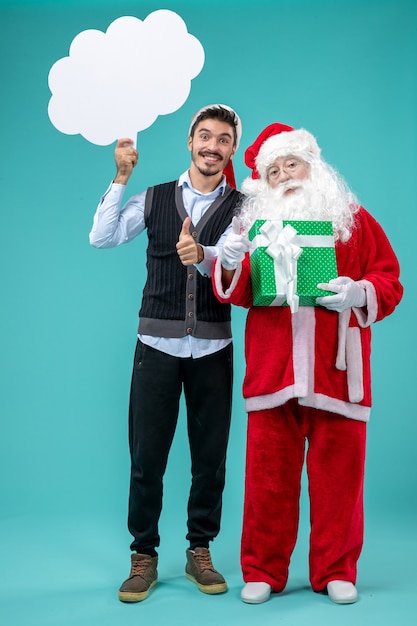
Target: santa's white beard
314	198
295	199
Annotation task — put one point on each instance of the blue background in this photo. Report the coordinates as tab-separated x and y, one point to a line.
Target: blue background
346	71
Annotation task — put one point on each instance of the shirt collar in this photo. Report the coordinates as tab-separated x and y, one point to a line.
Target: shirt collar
184	180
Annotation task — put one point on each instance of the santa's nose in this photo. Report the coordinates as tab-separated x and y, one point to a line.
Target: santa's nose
283	177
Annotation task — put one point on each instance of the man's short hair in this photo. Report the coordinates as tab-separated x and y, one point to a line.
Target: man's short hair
220	113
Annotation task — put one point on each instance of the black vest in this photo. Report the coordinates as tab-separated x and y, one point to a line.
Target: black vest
178	300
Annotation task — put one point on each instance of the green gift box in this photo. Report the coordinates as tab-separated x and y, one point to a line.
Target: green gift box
289	258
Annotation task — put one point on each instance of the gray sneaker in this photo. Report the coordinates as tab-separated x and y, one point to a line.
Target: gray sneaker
200	570
143	576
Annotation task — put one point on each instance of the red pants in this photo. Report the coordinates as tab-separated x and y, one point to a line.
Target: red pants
335	468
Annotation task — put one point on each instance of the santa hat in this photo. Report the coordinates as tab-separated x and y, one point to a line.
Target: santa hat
277	140
228	170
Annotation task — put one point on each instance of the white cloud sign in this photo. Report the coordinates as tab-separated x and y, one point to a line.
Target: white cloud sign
115	84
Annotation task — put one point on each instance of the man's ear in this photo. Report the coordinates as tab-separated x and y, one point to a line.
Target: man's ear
190	143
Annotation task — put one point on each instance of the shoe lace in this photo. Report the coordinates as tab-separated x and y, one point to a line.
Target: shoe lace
140	567
204	560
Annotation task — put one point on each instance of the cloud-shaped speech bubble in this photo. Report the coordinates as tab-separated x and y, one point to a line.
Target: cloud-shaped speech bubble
115	84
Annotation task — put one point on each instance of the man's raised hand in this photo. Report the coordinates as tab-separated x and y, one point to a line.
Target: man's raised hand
126	158
188	250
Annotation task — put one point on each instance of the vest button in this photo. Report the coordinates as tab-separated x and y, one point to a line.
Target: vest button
190	314
190	276
189	331
190	296
194	234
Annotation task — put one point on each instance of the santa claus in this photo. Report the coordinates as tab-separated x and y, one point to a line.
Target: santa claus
307	374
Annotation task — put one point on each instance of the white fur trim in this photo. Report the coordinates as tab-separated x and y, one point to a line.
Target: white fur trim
316	401
351	411
252	187
225	295
304	331
270	400
343	323
294	142
367	316
354	364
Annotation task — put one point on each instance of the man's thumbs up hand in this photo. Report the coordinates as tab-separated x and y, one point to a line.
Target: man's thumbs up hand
187	248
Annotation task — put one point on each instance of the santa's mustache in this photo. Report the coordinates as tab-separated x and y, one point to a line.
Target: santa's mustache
293	185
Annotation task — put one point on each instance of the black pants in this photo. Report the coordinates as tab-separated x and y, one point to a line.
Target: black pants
157	383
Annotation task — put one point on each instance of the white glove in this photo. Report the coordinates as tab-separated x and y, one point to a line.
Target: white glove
235	246
348	293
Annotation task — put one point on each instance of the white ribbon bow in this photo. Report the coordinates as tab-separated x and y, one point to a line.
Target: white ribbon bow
285	254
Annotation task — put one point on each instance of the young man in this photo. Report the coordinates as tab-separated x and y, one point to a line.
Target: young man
307	371
184	340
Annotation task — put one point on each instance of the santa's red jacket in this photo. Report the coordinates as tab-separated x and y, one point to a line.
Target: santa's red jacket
318	356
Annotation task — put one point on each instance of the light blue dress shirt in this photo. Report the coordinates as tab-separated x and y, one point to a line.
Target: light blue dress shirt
115	224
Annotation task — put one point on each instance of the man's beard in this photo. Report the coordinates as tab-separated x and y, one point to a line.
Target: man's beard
206	170
316	198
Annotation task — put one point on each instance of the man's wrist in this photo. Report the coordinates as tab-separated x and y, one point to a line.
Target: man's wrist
121	179
200	253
